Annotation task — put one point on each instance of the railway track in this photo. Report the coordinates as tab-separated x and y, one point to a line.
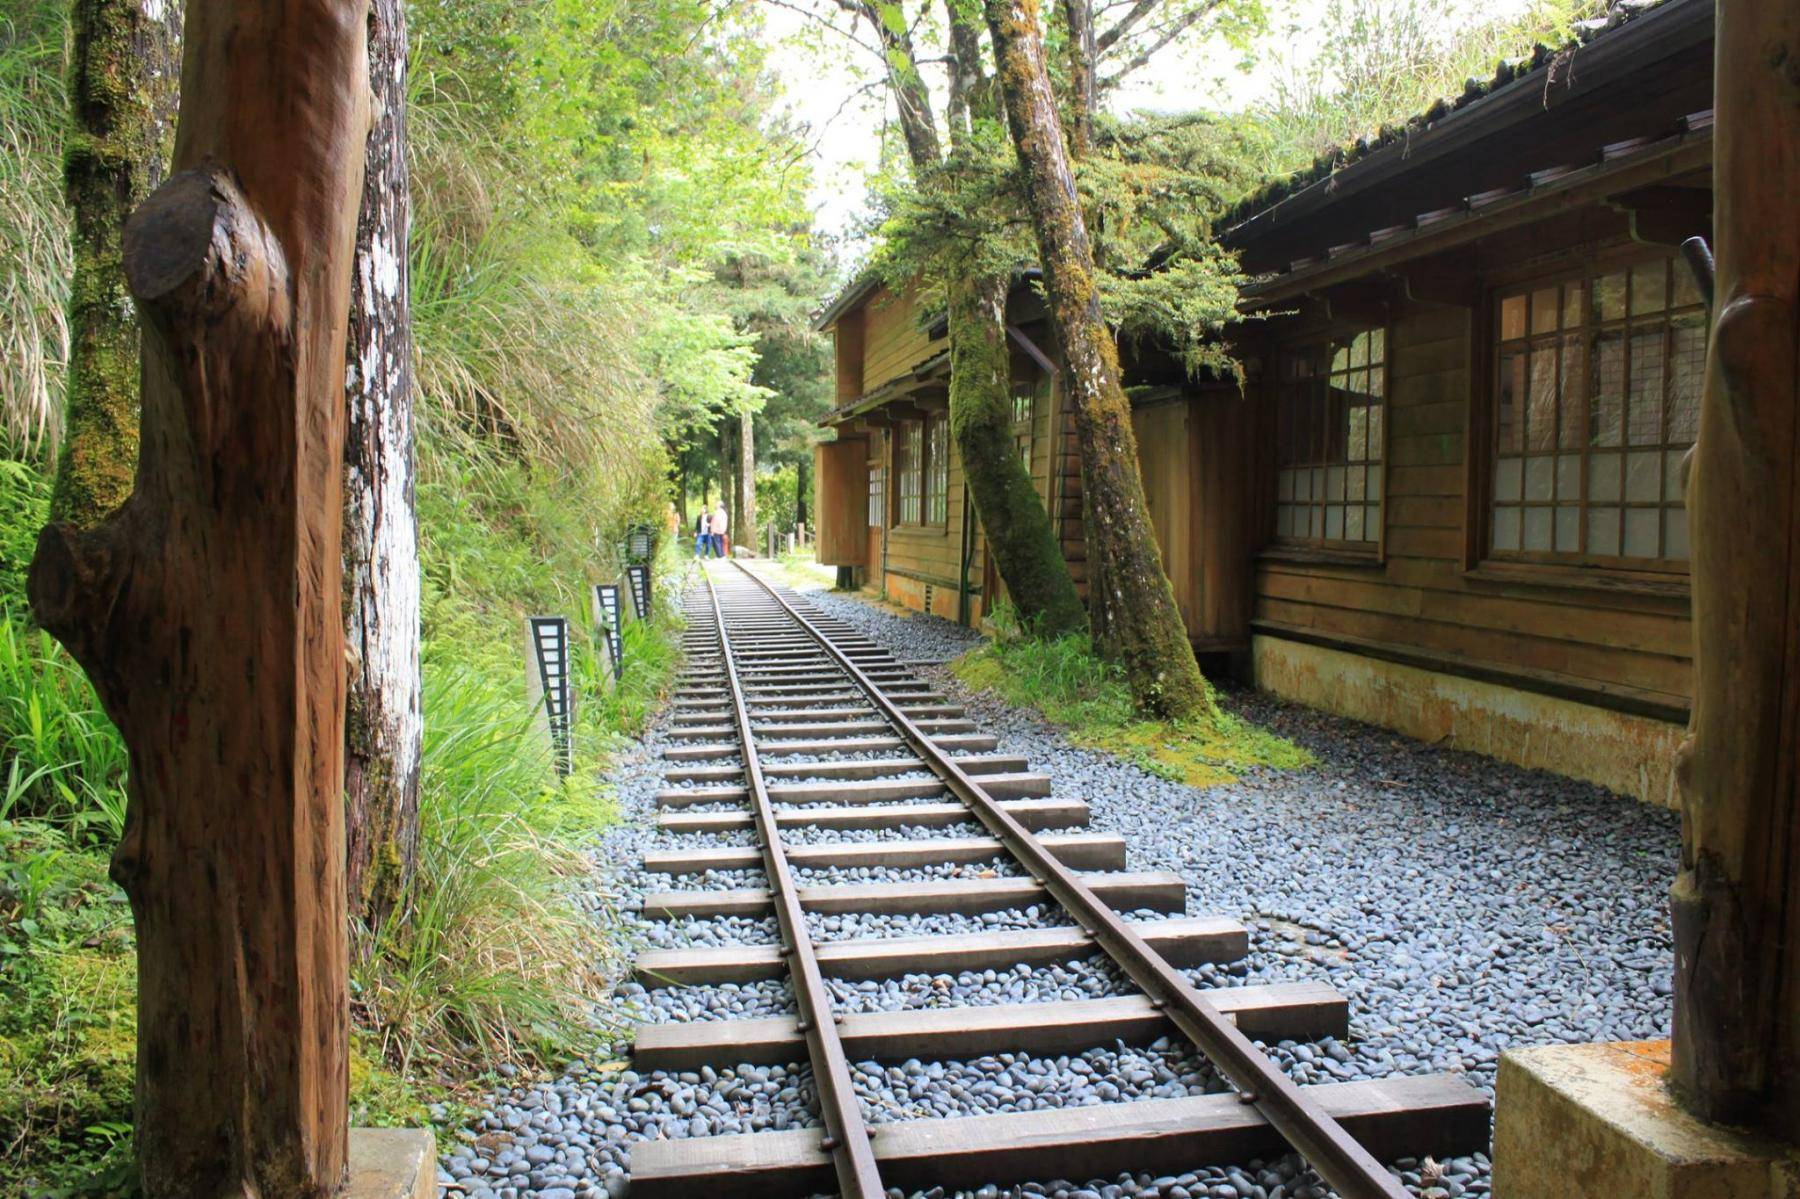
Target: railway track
786	720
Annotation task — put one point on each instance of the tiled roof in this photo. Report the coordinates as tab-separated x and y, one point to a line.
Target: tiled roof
1508	73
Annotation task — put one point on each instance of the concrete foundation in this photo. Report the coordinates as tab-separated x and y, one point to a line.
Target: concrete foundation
1632	755
392	1163
1598	1122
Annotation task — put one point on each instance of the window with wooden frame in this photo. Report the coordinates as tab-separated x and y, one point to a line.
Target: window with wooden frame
937	470
1596	399
1331	441
877	495
1024	413
909	472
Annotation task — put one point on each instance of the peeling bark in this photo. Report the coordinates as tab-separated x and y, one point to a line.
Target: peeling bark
208	609
1131	604
383	726
123	85
1736	901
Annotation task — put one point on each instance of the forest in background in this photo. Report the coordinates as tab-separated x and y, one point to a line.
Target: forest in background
613	268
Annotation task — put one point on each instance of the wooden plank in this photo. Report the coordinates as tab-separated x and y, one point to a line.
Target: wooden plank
877	767
847	728
978	742
1666	674
1435	1113
1033	813
1184	941
1155	890
1081	851
1001	786
1303	1011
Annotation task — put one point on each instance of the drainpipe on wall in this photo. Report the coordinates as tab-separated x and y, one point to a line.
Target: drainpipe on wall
968	556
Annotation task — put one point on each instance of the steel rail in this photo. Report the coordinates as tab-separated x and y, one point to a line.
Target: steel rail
1343	1163
846	1135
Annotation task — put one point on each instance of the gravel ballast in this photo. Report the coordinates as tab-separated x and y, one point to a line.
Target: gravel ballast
1462	906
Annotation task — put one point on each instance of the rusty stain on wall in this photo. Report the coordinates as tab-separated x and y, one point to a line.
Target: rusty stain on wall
1631	755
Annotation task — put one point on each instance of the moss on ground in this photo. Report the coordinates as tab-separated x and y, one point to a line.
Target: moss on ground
1087	699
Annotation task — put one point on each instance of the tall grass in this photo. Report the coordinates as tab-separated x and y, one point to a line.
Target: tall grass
491	961
35	255
61	759
519	337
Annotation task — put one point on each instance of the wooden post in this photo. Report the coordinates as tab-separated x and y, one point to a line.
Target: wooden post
1736	902
208	609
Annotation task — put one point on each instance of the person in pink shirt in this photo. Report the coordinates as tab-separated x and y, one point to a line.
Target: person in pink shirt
720	527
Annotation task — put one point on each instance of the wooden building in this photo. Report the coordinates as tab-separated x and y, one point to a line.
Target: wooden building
1448	499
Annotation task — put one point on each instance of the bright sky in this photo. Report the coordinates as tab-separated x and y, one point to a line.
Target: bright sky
823	85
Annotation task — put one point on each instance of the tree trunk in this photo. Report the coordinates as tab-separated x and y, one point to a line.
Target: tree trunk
727	465
208	609
1130	600
802	488
383	729
743	521
1736	916
1019	534
681	497
123	86
1083	60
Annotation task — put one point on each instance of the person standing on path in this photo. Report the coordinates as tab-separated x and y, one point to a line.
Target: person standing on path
721	529
702	535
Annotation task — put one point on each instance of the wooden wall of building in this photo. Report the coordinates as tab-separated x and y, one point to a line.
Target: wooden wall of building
842	473
1617	647
893	343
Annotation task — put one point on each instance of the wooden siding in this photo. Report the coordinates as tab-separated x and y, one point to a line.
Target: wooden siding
1611	646
893	343
841	469
1165	459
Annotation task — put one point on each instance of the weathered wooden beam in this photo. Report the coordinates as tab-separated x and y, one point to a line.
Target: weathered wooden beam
208	611
1080	851
1304	1011
1736	915
1184	941
1156	891
1432	1113
1032	813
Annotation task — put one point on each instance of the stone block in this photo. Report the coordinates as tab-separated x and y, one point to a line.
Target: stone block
392	1163
1598	1122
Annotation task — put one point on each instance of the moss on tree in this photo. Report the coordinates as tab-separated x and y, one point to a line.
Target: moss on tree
123	80
1018	529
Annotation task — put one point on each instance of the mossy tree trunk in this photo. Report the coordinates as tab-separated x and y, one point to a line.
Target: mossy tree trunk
1078	15
383	726
1020	536
208	609
124	82
1131	603
1018	530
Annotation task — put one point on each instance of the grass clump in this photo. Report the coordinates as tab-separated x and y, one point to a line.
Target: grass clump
491	962
1073	688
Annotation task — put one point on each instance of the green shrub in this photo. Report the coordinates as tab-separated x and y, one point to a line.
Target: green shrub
1072	687
490	961
61	759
